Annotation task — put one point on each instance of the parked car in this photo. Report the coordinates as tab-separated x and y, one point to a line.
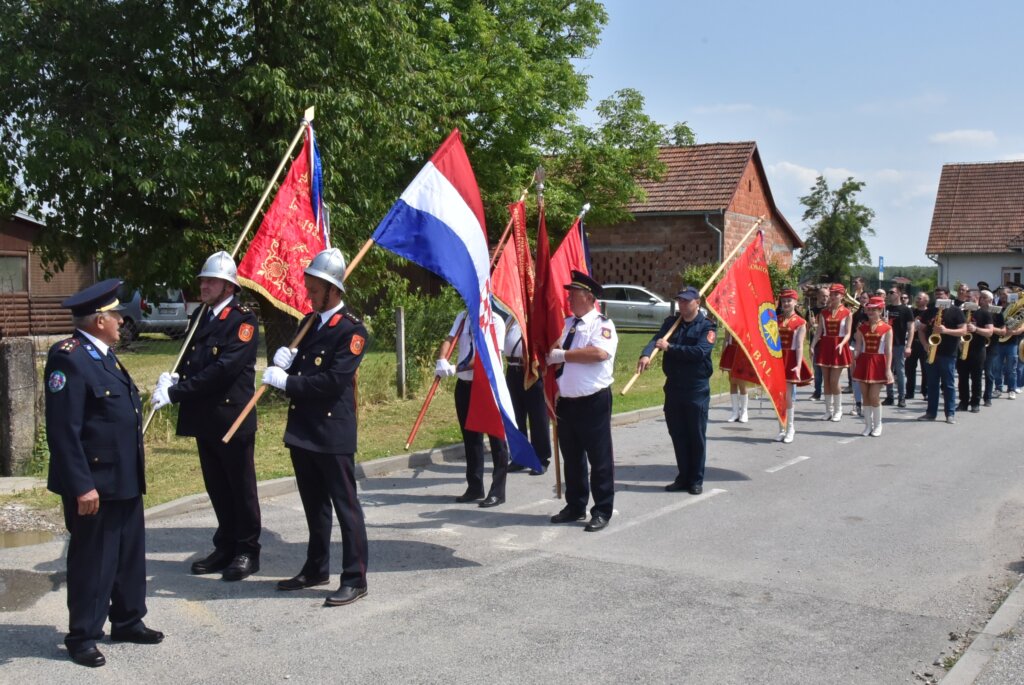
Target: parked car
167	315
634	308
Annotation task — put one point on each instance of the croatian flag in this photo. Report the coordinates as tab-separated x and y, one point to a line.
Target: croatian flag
438	223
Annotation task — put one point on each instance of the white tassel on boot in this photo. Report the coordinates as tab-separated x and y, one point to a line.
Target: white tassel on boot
735	400
790	429
868	419
837	407
827	400
876	429
743	408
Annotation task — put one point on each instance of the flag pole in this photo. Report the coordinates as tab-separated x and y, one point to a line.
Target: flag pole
437	379
704	288
307	118
293	344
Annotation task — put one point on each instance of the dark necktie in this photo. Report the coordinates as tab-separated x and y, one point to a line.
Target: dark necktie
567	343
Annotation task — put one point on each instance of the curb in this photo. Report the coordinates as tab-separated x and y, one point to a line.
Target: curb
989	641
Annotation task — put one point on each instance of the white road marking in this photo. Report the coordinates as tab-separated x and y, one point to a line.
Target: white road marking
847	441
779	467
614	526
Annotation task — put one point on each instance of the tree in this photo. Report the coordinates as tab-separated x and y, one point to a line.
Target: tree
836	236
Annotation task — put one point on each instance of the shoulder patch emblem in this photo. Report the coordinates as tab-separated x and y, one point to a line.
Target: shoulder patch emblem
356	346
68	346
245	332
224	313
56	381
711	336
606	333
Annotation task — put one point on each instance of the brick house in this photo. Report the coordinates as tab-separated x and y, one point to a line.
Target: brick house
708	199
29	304
977	231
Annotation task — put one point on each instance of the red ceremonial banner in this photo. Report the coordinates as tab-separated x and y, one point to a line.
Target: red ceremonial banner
570	256
512	282
286	243
745	304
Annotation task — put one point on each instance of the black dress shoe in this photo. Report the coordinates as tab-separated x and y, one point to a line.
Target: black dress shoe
543	469
926	417
676	486
242	566
695	489
962	406
567	515
345	595
492	501
469	497
902	404
513	467
974	409
301	582
595	524
214	563
140	635
888	402
90	656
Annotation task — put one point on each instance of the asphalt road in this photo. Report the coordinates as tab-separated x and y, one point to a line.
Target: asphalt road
834	559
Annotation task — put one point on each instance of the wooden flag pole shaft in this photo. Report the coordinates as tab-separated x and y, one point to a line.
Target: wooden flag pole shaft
704	288
294	343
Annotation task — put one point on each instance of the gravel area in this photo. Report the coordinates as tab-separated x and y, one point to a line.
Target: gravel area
17	518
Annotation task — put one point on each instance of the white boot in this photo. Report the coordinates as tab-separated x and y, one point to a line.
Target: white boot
743	408
837	407
869	416
782	432
790	430
827	401
876	429
735	399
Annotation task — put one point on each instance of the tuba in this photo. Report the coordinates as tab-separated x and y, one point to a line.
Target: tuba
1014	318
968	307
935	338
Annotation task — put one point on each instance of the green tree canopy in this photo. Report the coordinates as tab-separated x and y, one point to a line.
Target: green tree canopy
837	227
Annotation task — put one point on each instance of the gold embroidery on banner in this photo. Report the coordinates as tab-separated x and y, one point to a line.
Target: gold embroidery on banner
275	266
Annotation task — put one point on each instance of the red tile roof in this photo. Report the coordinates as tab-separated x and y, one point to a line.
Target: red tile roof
978	208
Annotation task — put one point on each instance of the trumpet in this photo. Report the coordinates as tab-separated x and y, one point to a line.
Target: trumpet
968	307
935	338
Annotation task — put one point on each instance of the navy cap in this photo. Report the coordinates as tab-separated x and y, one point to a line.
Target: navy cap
688	293
581	281
982	285
99	297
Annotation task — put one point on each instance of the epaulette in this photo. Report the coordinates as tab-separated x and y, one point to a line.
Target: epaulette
69	345
602	317
242	309
224	313
353	318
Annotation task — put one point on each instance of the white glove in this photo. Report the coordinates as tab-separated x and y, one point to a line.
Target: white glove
556	356
284	357
443	368
166	380
160	397
275	376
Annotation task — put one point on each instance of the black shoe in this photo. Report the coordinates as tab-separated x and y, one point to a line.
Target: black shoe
543	470
515	468
816	397
596	523
676	486
962	406
345	595
491	501
910	395
696	489
469	496
567	515
926	417
90	656
902	404
301	582
140	635
242	566
974	409
215	563
888	402
987	403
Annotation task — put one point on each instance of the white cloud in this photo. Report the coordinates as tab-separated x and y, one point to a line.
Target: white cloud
1012	157
792	172
969	136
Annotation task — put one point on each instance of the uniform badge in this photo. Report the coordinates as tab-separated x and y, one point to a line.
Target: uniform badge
356	346
69	345
606	333
318	361
711	337
215	350
245	332
56	381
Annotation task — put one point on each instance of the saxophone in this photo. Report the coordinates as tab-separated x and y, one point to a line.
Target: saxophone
968	307
935	338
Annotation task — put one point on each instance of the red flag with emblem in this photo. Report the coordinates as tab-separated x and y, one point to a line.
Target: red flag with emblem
288	239
570	256
745	304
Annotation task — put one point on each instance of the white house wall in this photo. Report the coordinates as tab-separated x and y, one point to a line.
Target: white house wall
971	268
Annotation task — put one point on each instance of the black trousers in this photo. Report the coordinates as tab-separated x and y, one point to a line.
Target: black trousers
585	435
474	444
529	407
686	414
918	356
323	480
106	569
969	376
229	473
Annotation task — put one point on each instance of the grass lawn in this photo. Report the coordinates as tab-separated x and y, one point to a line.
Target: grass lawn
384	420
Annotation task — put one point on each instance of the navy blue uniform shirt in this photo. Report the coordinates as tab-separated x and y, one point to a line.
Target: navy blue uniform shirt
687	361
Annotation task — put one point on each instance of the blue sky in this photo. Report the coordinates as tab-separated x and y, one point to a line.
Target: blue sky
886	92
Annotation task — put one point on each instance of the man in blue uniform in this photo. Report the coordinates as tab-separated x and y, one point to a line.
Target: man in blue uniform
217	375
319	379
586	352
687	366
94	432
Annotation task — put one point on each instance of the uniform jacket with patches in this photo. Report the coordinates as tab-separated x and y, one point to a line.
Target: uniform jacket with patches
93	423
321	386
217	373
687	361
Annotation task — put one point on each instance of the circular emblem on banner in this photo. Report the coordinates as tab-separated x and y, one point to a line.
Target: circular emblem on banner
768	320
56	381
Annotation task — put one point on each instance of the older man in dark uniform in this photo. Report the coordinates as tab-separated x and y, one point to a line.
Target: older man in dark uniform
217	375
688	368
319	379
94	432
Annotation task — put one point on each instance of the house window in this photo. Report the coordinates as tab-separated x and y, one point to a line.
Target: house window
1012	274
13	273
